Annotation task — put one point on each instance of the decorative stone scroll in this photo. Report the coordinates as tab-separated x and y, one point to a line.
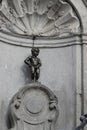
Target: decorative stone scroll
33	107
42	18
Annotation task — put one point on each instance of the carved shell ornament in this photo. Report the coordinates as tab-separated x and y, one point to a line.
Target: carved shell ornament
43	18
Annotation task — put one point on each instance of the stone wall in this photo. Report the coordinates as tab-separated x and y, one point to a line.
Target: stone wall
63	69
57	72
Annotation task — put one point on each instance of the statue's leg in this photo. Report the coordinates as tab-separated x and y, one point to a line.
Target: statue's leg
37	74
32	73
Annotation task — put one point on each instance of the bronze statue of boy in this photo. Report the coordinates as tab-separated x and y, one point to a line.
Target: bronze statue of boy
34	63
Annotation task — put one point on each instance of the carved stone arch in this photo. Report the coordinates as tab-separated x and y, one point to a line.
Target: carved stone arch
51	21
33	107
85	2
77	14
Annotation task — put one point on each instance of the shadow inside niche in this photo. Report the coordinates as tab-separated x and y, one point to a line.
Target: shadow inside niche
27	73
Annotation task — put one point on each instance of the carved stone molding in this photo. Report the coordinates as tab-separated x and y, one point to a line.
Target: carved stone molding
84	39
85	2
41	43
21	19
33	107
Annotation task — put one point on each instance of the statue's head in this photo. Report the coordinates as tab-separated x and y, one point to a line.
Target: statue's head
35	51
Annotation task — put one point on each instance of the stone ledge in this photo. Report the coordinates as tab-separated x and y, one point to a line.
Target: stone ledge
41	42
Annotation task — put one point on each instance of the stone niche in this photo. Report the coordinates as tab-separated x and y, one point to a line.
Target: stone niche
57	28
